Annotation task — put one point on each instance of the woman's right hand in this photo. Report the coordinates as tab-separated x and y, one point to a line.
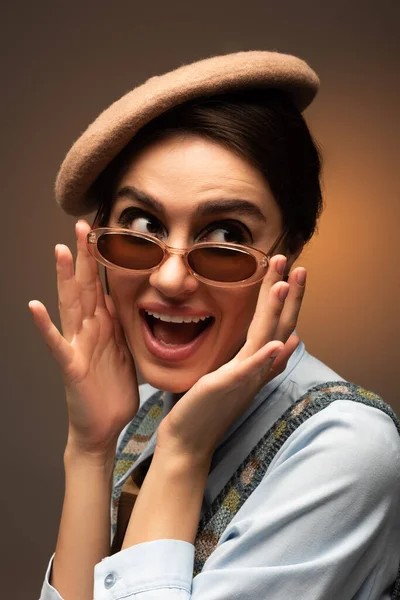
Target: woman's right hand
97	366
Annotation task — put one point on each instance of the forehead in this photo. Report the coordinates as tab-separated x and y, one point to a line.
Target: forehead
195	163
183	171
194	159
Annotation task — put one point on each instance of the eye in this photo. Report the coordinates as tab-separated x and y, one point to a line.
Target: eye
141	221
232	232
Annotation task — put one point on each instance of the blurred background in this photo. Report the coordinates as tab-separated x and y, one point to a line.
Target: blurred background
61	64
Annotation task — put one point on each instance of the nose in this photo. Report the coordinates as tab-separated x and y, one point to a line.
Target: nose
173	279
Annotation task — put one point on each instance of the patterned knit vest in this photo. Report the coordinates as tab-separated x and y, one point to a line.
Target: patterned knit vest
252	470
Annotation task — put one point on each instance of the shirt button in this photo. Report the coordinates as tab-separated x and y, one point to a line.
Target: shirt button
109	581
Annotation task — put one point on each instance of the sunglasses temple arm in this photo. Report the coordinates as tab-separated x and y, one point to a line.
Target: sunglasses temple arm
278	242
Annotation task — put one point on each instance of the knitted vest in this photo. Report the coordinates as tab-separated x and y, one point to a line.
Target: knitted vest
252	470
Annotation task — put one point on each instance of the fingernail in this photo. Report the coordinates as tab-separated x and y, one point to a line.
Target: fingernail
283	292
301	277
276	352
280	266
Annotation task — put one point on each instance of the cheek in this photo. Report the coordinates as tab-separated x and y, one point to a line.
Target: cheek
238	313
124	290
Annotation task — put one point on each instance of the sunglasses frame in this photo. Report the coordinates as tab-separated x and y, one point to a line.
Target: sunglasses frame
262	259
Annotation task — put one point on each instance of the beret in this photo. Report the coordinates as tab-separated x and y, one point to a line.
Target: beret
117	125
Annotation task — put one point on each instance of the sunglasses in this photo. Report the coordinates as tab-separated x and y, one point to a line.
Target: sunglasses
219	264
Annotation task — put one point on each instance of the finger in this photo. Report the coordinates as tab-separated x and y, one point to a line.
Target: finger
293	302
86	271
249	373
69	304
235	373
267	325
271	370
118	331
59	347
101	303
258	327
280	362
262	361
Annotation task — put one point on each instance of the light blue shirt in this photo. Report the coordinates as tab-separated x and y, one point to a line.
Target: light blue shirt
323	524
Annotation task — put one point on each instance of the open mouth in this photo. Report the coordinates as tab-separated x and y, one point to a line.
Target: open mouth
177	332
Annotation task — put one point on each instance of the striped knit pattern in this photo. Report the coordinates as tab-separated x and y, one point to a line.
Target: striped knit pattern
134	441
252	470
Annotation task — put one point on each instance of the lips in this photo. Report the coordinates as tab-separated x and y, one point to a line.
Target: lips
173	311
176	333
173	341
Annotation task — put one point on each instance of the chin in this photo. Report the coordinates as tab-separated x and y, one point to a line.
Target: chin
179	377
177	380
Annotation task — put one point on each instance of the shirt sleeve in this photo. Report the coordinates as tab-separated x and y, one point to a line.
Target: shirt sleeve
48	591
321	525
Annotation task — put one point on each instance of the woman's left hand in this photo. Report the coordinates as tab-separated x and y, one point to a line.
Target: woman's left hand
198	421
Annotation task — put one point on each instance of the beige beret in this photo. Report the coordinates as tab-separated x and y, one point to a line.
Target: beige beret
117	125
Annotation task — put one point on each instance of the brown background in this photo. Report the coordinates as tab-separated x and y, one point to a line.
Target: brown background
63	62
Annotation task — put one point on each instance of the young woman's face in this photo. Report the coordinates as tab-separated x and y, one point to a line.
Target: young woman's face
181	189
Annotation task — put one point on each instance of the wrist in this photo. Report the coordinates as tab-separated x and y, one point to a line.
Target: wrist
75	455
181	461
171	449
77	444
172	493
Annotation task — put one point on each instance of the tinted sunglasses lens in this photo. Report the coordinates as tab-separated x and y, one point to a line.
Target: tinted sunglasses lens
129	251
222	264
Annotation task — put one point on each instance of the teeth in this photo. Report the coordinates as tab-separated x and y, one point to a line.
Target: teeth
170	319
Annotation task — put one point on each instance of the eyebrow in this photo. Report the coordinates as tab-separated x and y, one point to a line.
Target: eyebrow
209	207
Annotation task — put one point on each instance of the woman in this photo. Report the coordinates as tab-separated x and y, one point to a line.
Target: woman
256	471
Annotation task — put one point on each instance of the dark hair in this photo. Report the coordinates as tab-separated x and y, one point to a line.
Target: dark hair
262	126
